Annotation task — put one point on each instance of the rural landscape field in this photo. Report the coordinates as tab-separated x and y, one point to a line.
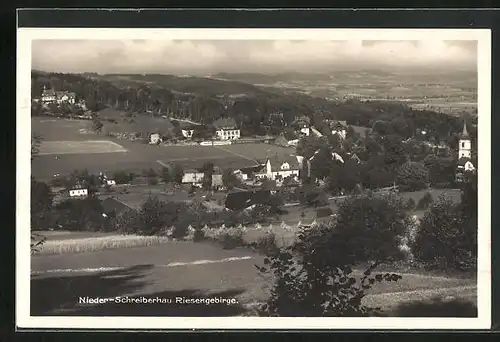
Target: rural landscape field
342	193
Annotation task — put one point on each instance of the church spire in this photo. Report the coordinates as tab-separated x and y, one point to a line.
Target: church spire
465	134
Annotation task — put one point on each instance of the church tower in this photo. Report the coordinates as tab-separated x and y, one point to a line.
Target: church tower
464	144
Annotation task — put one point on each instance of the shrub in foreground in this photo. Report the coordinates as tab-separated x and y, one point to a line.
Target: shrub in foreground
312	279
437	308
447	237
425	201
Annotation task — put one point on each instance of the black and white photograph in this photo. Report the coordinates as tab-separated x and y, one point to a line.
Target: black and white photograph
231	178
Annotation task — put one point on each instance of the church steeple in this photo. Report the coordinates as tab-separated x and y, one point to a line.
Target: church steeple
464	147
465	134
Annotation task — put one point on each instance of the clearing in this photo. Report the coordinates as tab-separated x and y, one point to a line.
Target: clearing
79	147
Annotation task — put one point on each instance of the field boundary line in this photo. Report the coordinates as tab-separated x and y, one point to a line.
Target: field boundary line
236	154
117	268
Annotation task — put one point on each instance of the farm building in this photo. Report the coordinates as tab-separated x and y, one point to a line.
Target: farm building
339	128
78	192
241	200
226	129
51	96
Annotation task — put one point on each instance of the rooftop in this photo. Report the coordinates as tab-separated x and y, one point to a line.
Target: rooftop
225	123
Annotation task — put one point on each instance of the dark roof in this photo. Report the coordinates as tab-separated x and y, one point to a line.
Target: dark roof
226	123
243	199
113	205
338	125
277	161
49	92
462	161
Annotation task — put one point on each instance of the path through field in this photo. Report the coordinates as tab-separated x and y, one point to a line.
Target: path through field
182	269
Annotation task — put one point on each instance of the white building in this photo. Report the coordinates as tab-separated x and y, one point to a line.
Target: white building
51	96
339	128
187	133
226	129
154	138
281	167
78	192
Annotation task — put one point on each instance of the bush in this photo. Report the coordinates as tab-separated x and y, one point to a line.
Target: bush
410	204
309	281
412	176
231	240
267	243
371	228
446	238
437	308
425	201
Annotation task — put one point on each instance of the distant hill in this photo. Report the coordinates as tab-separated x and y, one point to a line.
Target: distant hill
258	78
193	85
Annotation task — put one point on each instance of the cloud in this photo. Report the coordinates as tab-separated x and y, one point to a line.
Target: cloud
204	56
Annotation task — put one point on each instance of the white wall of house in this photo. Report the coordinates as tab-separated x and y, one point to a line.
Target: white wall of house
341	132
48	98
228	134
305	130
154	138
284	171
187	133
78	192
192	177
469	166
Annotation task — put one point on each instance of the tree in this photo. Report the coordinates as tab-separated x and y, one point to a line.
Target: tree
97	125
372	227
229	179
313	278
122	177
441	170
41	205
208	171
311	195
81	214
177	173
151	217
165	175
35	145
447	238
412	176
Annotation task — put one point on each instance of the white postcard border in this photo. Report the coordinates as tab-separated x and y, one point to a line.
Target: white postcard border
23	131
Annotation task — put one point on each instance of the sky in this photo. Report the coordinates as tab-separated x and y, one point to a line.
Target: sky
204	57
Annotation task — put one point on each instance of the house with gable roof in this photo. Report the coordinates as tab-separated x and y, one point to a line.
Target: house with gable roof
281	167
338	127
226	129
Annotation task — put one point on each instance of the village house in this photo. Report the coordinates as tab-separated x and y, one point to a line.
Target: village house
193	177
154	138
187	133
338	127
287	138
51	96
281	167
78	192
302	125
226	129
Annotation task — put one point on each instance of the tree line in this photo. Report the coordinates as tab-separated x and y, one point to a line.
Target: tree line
259	113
